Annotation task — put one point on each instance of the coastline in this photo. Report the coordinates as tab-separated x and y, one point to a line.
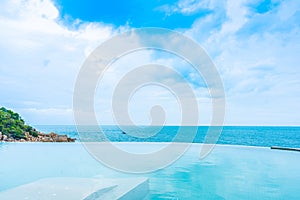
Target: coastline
41	137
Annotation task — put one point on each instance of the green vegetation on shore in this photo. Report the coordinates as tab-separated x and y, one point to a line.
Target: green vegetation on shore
13	126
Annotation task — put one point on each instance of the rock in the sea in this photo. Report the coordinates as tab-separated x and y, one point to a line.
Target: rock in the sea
62	138
4	138
27	134
71	140
53	136
45	139
42	134
42	137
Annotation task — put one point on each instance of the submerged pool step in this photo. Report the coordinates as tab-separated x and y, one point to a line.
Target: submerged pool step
285	148
80	188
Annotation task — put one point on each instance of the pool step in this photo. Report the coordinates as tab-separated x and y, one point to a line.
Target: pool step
80	188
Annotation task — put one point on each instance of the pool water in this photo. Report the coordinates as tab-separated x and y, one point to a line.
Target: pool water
229	172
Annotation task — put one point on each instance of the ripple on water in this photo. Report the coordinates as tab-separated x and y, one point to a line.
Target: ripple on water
3	146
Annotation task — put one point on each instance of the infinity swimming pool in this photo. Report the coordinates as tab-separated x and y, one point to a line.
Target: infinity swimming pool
229	172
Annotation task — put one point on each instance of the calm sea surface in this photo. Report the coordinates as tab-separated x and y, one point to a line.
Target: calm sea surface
236	135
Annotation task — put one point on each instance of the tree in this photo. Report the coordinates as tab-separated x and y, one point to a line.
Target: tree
12	125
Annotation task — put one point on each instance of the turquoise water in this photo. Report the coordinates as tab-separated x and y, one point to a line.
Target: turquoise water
240	170
236	135
229	172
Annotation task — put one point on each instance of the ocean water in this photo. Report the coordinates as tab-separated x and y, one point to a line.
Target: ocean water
236	135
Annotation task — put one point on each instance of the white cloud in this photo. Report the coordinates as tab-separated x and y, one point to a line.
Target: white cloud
236	16
40	57
150	95
257	55
188	7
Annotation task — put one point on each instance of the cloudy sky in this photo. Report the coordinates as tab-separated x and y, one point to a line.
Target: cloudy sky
253	43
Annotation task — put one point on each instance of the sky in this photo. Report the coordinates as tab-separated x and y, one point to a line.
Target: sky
253	43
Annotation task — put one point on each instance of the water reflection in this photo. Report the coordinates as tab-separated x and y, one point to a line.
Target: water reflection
3	146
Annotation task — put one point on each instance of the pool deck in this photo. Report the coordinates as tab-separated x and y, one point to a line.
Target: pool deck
80	188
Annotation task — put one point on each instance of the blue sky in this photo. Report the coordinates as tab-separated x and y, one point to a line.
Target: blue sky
253	43
135	13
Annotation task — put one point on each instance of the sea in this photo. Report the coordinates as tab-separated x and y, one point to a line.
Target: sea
265	136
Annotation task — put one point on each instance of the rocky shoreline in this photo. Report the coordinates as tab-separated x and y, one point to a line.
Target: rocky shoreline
42	137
